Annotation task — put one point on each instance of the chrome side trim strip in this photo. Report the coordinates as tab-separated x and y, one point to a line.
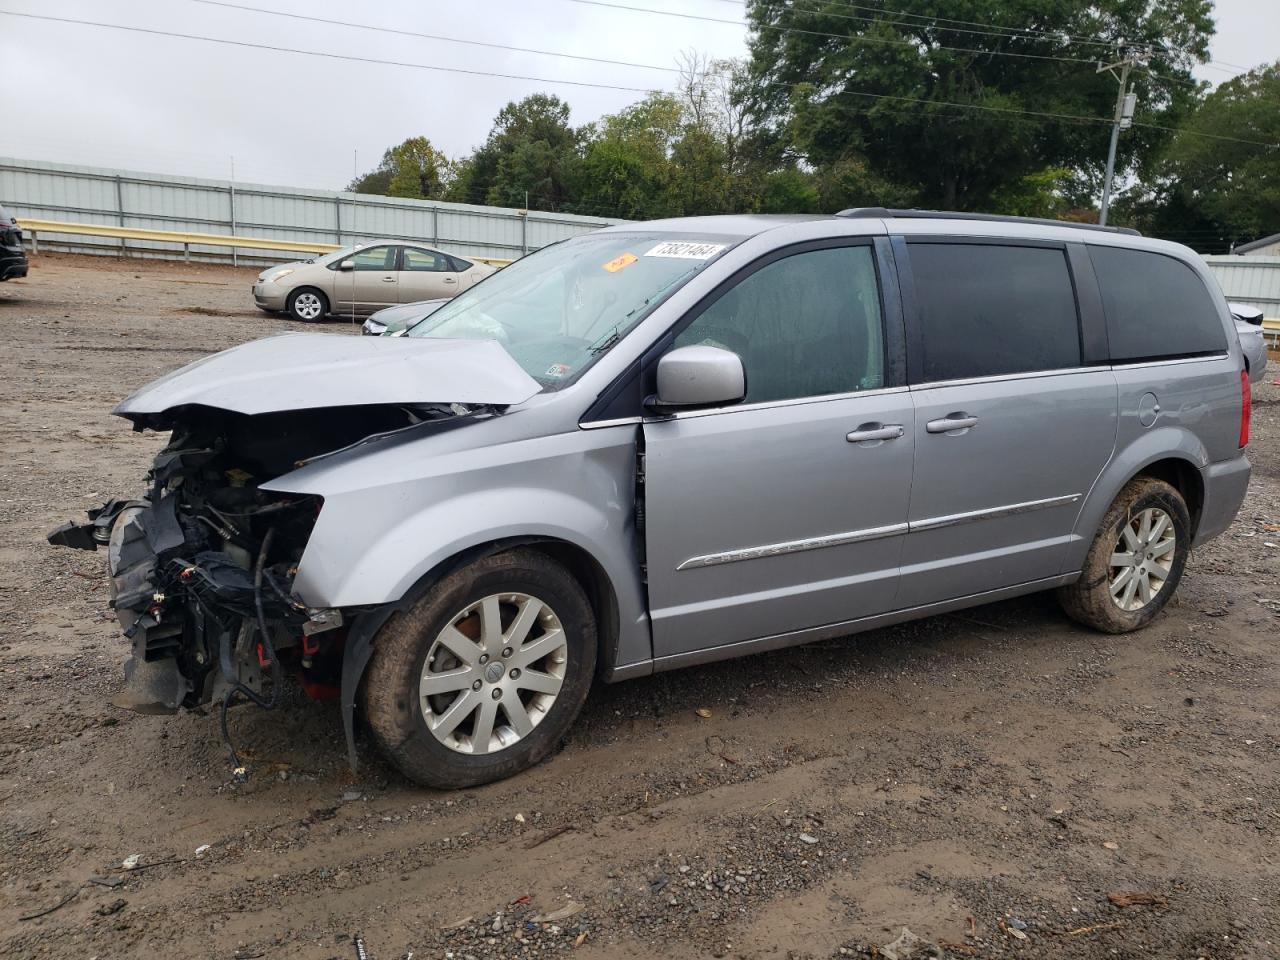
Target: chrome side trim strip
1175	361
741	407
793	546
792	402
873	533
1002	377
618	422
1009	510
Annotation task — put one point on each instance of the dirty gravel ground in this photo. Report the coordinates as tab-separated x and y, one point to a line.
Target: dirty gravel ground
1000	765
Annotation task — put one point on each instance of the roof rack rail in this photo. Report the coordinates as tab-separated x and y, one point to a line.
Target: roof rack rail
883	213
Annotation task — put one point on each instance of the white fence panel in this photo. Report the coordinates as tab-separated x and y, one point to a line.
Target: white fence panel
1251	280
75	194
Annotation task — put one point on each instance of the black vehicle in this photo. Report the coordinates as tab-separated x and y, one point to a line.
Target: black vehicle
13	259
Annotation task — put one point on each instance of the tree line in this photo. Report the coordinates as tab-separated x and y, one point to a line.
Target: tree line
978	105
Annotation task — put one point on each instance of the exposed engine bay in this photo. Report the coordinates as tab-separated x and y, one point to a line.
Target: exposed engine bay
202	563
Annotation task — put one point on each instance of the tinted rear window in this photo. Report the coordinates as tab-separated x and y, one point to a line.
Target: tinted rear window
988	309
1156	306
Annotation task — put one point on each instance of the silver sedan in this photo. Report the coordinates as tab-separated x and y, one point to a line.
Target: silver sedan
1252	342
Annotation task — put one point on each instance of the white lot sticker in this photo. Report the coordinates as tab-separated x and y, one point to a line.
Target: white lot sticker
685	250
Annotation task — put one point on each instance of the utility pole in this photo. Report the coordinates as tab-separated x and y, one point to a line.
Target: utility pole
1126	100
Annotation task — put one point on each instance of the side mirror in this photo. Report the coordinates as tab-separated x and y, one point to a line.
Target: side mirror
347	265
698	376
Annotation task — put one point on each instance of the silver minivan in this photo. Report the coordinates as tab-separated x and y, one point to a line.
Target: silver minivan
668	443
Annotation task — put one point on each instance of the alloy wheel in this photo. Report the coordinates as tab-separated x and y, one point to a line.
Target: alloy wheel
493	673
307	306
1142	559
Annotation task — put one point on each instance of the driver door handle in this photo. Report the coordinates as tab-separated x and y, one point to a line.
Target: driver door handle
450	279
890	431
388	279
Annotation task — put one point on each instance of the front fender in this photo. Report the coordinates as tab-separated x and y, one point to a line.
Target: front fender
391	517
389	564
1160	443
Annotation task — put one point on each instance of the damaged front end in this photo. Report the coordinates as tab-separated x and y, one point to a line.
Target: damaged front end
203	563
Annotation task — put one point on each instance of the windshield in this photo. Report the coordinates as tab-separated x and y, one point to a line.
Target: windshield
559	310
328	258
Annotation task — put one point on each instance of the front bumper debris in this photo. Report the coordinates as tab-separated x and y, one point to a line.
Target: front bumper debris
91	535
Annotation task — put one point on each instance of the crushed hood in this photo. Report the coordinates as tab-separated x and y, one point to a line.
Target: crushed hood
300	371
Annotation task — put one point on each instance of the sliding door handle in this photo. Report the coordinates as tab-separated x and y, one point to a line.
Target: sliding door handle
875	431
952	422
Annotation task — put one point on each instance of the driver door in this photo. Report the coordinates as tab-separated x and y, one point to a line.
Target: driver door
787	511
372	284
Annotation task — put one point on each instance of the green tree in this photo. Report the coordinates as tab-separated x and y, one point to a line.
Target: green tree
531	150
1041	193
789	190
413	169
841	86
626	166
1217	177
700	182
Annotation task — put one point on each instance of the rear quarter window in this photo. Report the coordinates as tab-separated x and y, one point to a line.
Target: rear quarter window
1156	307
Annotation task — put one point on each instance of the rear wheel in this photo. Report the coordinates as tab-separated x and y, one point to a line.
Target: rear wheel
483	676
1136	560
307	305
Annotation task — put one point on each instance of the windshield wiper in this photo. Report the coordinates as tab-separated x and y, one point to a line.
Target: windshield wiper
607	341
614	335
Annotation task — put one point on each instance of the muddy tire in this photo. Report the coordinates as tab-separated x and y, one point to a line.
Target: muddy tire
1136	560
485	674
307	305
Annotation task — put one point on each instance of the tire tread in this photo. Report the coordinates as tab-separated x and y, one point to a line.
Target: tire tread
1088	600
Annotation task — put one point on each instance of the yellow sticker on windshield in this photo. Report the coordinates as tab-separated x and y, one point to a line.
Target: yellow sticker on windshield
617	263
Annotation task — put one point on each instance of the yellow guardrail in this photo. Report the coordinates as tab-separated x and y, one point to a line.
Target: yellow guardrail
36	227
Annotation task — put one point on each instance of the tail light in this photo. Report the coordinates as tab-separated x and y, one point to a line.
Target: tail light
1246	408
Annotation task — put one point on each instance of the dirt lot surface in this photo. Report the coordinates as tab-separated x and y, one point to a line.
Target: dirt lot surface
986	779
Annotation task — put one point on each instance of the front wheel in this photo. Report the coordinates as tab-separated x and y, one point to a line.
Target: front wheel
307	305
1136	560
483	676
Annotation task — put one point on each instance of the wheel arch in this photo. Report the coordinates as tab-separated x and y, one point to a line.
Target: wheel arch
1185	477
581	564
1172	454
325	298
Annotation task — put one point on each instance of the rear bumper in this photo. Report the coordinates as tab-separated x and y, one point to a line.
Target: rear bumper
1225	484
12	265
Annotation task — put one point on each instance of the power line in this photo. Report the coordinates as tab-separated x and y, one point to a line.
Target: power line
1078	118
318	53
819	33
995	30
435	36
1012	32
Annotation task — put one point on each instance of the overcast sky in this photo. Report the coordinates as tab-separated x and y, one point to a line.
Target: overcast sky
84	94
